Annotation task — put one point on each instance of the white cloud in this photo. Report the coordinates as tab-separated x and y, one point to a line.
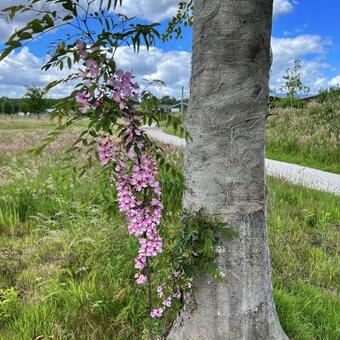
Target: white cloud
282	7
172	67
335	82
285	50
157	10
22	69
151	10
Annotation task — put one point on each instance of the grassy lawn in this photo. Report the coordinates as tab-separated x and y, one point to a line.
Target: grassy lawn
30	123
66	260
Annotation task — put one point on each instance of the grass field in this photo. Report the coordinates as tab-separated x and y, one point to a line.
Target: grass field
66	261
309	136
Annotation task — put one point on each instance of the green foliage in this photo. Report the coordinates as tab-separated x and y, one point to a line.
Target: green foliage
287	102
35	100
303	229
24	107
19	104
7	107
331	95
115	30
293	83
194	245
9	302
308	136
183	17
168	100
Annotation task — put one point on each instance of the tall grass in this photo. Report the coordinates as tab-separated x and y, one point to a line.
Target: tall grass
309	136
304	241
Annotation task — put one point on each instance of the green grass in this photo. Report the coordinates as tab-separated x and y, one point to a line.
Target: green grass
30	123
25	123
309	136
65	251
304	242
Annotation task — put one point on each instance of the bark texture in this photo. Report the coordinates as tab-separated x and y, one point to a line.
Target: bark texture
224	169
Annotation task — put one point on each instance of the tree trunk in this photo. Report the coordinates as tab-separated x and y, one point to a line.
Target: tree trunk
224	169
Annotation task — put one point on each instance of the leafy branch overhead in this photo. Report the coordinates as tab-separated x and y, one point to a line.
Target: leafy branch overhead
184	17
115	29
105	30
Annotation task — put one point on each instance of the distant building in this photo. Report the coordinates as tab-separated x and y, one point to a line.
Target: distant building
175	108
165	107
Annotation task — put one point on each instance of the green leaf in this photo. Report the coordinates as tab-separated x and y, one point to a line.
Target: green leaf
69	62
51	85
25	35
14	43
36	26
49	21
107	24
68	17
6	52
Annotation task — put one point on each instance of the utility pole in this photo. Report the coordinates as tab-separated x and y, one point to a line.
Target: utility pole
182	101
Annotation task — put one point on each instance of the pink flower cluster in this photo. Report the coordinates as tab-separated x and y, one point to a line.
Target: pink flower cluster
138	196
92	66
135	167
92	71
124	90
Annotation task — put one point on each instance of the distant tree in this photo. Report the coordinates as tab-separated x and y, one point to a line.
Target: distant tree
16	107
35	100
293	82
168	100
24	107
7	107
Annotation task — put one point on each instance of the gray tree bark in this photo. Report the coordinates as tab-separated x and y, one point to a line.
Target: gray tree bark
224	169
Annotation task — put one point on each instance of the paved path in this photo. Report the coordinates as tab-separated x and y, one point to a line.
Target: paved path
308	177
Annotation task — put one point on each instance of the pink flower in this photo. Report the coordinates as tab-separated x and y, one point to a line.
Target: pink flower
80	44
167	302
119	73
105	149
93	67
134	171
140	262
140	278
177	295
160	291
176	274
157	313
81	48
82	98
84	101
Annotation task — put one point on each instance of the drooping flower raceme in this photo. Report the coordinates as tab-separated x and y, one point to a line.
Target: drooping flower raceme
135	167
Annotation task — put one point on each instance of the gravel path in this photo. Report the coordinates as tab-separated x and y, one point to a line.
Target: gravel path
308	177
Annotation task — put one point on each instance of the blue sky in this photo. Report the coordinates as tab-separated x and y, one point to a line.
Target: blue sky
305	29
